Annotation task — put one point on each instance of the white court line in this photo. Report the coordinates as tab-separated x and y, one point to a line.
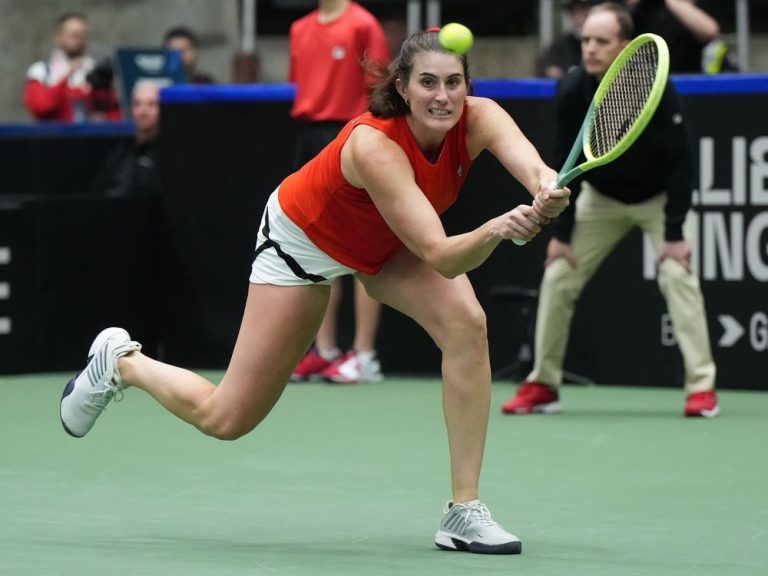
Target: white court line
5	254
5	325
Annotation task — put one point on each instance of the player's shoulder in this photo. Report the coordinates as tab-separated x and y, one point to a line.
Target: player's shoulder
368	138
370	151
478	106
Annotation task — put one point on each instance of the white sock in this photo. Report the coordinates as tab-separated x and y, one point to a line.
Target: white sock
329	355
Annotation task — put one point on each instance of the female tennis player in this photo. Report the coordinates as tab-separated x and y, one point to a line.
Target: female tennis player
369	205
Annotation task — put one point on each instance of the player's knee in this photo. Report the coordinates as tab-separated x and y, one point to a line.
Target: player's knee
467	327
228	428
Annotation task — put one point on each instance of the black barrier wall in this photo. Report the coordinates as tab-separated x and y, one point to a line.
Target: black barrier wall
224	149
71	266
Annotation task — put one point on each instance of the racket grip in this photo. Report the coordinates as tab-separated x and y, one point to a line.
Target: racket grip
520	241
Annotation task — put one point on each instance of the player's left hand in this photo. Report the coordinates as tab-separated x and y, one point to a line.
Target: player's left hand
678	250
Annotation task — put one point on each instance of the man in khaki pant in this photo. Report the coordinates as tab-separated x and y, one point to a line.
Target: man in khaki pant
648	187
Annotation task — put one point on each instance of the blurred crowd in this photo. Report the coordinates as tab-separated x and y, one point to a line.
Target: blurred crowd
70	85
694	36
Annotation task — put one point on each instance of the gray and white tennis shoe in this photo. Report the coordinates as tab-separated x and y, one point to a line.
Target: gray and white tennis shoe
468	527
86	396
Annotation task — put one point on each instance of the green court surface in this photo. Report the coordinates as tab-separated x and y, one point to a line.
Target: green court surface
351	480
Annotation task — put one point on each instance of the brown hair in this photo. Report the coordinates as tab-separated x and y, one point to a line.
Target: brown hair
62	19
623	17
386	101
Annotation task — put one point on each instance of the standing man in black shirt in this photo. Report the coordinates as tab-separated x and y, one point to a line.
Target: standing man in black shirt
649	187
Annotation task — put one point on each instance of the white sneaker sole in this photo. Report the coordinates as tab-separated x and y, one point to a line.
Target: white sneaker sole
448	541
551	408
706	413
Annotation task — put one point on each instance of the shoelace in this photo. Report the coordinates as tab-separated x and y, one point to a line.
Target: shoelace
101	398
478	513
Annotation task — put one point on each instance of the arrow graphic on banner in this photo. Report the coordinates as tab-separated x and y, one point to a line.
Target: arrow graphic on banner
732	331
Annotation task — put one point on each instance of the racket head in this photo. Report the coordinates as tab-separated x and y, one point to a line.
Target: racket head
625	100
623	105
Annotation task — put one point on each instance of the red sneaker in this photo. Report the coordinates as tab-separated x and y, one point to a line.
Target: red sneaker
702	404
533	397
311	365
354	368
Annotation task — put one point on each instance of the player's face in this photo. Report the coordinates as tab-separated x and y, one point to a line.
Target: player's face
436	90
601	42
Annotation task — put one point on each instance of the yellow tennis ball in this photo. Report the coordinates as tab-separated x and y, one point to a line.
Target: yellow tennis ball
456	38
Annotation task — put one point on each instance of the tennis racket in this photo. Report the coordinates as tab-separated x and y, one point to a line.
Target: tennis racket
621	108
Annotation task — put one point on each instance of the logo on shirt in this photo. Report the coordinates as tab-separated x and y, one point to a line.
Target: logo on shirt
460	171
338	52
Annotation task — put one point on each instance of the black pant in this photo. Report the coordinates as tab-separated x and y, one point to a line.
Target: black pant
313	137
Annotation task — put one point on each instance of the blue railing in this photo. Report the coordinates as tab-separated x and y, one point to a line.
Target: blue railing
499	88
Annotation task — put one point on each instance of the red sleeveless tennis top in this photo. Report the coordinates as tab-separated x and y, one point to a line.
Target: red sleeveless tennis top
342	220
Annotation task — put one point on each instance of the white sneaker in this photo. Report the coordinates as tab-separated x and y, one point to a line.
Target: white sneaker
86	396
468	527
354	367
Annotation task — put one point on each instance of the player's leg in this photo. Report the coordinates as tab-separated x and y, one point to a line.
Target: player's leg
278	325
449	311
286	301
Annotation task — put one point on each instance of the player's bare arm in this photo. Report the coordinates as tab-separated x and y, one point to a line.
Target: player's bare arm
490	127
372	161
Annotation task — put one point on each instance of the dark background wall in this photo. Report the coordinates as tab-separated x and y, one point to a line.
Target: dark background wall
175	273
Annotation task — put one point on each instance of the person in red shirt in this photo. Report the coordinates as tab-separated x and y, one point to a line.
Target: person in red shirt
369	204
331	49
59	88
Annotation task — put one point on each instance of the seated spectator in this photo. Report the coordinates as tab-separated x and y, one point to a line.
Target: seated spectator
565	52
130	168
59	88
185	41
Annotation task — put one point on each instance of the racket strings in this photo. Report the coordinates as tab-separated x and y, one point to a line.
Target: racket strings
625	100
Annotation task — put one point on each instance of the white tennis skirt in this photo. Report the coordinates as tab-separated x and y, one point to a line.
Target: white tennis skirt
285	256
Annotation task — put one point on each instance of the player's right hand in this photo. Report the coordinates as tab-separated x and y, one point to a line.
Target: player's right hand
550	202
